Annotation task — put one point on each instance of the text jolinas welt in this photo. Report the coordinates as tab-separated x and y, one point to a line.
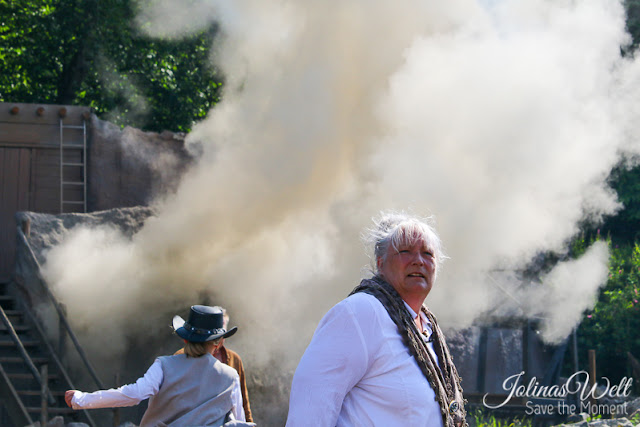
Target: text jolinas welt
533	389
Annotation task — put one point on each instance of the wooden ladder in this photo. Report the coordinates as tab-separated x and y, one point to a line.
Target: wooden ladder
73	169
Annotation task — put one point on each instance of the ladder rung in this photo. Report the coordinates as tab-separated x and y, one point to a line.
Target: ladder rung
51	409
73	182
17	328
72	203
72	127
9	359
73	164
14	312
72	146
38	392
26	343
28	376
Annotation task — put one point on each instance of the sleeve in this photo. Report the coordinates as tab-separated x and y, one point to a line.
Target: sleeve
127	395
334	362
243	388
236	398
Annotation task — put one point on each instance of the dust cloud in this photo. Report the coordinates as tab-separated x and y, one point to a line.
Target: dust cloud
500	118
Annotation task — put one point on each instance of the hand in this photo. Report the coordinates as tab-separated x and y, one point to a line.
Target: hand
68	395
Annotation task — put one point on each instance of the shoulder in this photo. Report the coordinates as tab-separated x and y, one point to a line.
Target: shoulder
232	354
221	367
164	360
359	309
169	363
362	305
233	359
362	300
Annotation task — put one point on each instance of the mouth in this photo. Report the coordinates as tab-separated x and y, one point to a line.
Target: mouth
416	275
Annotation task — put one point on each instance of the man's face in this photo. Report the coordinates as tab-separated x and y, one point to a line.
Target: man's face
410	270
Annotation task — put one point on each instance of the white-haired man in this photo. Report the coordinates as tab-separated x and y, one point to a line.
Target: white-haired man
378	358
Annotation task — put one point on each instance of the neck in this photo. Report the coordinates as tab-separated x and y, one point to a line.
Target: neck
415	304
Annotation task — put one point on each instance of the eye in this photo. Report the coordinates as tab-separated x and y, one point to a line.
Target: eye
427	253
403	251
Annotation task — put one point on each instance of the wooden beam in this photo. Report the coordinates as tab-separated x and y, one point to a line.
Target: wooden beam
43	113
12	134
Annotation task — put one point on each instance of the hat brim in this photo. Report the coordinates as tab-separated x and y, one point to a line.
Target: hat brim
182	332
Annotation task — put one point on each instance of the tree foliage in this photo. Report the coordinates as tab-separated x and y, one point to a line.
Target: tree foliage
90	53
633	21
623	227
625	179
612	327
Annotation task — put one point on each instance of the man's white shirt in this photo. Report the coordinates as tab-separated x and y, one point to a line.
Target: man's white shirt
357	371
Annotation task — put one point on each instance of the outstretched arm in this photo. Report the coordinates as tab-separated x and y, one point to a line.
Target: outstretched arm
127	395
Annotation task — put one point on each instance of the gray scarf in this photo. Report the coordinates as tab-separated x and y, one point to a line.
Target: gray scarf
444	380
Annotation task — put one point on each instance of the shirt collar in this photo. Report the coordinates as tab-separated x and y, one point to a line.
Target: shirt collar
426	325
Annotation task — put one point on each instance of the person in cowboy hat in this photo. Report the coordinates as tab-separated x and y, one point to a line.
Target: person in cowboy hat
190	389
233	359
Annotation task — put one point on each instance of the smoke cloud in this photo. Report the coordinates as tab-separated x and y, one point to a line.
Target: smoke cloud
500	118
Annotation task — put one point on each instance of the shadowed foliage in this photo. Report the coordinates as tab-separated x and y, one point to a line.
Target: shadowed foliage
90	53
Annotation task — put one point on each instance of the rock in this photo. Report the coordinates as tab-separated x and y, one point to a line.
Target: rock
577	424
633	406
616	422
578	418
49	230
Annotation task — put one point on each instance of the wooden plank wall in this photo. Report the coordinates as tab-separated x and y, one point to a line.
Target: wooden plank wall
15	164
30	165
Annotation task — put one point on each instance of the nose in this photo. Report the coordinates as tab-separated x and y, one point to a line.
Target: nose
418	259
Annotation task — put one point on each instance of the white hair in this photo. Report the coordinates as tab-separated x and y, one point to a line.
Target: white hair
394	229
225	316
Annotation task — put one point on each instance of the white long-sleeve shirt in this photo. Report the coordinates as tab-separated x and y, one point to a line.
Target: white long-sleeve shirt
145	387
357	371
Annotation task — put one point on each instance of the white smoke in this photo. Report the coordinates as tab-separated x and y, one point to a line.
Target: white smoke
571	288
501	118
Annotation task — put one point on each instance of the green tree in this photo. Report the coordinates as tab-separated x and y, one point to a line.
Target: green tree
612	327
91	53
623	227
633	21
625	179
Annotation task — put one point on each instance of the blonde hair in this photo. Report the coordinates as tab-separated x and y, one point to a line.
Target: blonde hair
198	349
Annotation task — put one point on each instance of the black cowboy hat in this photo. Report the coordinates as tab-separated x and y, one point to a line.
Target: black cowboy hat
205	324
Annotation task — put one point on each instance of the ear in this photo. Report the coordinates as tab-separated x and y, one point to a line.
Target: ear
379	263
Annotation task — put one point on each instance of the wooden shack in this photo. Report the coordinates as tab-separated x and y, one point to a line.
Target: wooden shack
43	157
62	159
